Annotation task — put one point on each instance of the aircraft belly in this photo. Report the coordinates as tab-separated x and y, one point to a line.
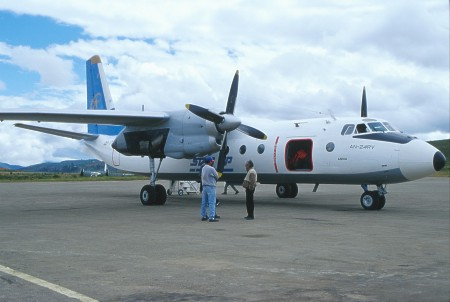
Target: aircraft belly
377	177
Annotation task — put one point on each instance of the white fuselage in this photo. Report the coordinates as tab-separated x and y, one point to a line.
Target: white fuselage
306	151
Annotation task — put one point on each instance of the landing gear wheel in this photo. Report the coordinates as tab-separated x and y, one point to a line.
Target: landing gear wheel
283	190
294	190
382	202
370	200
180	192
147	195
161	195
153	195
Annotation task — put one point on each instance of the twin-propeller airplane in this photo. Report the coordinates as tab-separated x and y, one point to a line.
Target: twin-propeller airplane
171	145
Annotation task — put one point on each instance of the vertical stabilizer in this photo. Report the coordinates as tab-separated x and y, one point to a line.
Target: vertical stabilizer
98	95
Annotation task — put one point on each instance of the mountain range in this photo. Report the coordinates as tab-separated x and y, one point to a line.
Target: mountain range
67	166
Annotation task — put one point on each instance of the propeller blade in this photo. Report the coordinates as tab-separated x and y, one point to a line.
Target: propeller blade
233	94
222	155
253	132
205	113
364	104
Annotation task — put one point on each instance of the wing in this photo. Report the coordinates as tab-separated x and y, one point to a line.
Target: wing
105	117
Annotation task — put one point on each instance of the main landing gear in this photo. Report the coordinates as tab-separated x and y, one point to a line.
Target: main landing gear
288	190
153	194
373	200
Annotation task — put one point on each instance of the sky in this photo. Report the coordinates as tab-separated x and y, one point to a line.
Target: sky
296	59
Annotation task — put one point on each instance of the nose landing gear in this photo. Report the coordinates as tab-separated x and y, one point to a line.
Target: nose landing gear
373	200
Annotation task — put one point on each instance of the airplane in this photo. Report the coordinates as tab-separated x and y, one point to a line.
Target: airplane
172	145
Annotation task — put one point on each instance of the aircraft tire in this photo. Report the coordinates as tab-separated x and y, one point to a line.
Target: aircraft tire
382	202
294	190
161	195
370	200
147	195
283	190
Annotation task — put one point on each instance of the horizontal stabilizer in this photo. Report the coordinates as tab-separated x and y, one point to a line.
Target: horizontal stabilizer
105	117
63	133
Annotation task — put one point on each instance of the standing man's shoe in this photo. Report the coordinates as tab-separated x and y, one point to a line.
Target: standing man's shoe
204	218
249	218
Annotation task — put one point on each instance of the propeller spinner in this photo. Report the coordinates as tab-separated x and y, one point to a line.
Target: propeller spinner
226	121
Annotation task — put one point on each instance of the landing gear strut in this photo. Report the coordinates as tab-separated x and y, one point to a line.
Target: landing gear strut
373	200
153	194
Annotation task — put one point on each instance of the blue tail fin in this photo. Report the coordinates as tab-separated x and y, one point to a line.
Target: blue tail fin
98	95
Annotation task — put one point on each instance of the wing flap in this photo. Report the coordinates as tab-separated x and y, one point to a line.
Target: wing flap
105	117
63	133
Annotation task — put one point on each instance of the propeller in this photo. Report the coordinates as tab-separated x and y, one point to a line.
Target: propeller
226	121
364	103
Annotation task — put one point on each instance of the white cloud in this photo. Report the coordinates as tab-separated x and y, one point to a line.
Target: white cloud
52	69
296	58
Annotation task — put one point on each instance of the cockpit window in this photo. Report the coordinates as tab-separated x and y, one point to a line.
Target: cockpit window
361	128
377	127
348	129
390	128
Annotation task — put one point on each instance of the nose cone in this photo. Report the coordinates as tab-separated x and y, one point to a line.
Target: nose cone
438	161
419	159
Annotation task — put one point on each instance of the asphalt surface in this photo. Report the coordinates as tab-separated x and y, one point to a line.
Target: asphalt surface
97	240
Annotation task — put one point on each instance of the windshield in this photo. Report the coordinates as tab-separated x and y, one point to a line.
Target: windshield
389	126
377	127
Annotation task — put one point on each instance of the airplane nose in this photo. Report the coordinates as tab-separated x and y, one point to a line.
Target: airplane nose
419	159
438	160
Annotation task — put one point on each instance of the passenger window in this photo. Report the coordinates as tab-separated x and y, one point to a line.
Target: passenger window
299	155
348	129
361	128
377	127
242	149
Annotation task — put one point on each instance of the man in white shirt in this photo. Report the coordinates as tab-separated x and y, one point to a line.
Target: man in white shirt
250	184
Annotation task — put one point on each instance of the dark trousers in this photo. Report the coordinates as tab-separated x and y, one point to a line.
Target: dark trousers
249	202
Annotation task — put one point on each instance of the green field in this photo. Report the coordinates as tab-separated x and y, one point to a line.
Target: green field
444	146
36	176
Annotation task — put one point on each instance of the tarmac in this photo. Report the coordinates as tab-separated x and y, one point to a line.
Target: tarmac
94	241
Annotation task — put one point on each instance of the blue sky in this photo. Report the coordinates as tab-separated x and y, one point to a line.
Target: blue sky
38	32
296	60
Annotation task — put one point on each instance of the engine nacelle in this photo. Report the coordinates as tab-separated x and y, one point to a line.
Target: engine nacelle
143	143
183	136
191	136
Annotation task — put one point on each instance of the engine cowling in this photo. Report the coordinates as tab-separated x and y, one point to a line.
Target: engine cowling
142	143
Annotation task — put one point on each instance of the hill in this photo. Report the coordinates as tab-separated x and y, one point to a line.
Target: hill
5	166
67	166
444	146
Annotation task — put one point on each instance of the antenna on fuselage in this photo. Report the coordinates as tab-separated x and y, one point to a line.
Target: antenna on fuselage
364	103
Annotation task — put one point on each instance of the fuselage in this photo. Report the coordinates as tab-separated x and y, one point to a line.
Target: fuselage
342	151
